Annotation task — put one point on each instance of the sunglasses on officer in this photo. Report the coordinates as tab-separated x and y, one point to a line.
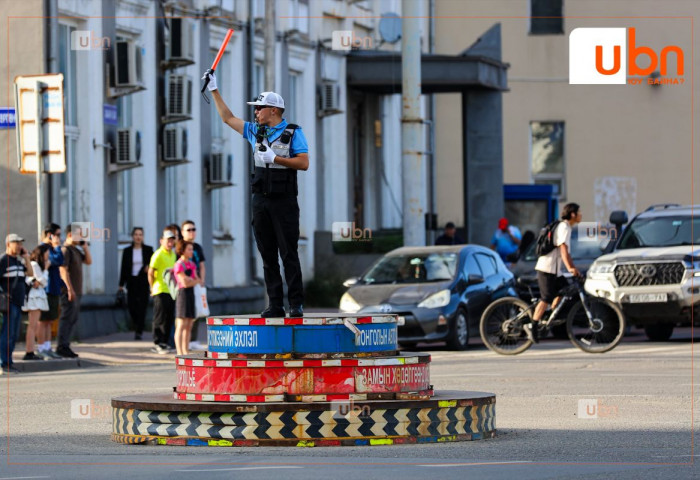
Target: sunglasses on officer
260	107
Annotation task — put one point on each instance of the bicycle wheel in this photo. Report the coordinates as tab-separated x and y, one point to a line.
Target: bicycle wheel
501	326
604	333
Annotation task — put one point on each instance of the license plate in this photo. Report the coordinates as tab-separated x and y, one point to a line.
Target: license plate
648	298
401	321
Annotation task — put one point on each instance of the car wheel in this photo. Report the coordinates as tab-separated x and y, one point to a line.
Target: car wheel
459	336
659	333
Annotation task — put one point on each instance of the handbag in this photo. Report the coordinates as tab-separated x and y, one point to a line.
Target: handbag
5	297
201	306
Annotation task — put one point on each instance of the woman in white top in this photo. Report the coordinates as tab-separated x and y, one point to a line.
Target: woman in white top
36	300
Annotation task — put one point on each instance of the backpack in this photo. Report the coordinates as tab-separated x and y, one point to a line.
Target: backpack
545	240
171	282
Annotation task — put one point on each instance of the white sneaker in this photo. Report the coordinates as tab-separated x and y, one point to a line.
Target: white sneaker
197	346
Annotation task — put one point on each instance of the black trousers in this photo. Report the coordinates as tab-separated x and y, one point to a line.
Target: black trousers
137	296
163	318
276	228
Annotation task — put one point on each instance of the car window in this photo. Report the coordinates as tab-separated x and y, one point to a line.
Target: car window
471	267
423	267
662	231
487	264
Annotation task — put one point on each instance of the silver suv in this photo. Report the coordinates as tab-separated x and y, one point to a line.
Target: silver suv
651	270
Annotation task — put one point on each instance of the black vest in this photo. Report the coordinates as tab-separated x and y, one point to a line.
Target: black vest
274	179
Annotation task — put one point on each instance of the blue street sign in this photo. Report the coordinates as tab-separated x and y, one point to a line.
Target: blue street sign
110	115
7	117
301	339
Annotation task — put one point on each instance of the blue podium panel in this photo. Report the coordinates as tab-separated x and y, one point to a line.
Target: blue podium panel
378	337
247	339
318	335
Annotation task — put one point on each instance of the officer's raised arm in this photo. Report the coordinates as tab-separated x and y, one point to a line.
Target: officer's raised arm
224	112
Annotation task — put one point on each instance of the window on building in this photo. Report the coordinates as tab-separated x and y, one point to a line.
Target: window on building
259	79
64	186
547	155
258	9
291	103
124	184
299	13
217	126
550	13
171	196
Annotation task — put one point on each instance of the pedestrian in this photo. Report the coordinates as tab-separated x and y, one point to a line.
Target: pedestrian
280	150
449	237
189	234
134	276
553	268
185	272
14	266
36	301
76	253
163	304
52	239
506	239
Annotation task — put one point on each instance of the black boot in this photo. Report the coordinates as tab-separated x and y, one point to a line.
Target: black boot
296	311
273	311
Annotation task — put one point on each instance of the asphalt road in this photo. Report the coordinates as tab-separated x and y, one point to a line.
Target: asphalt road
643	392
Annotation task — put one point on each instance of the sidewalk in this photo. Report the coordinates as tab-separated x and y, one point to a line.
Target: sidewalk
116	349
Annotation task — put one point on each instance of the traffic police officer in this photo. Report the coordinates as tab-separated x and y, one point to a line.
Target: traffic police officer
280	150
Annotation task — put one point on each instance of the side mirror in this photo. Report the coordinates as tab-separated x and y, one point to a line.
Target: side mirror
474	279
618	217
350	282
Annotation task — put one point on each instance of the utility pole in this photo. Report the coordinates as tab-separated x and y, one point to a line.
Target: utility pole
412	147
270	33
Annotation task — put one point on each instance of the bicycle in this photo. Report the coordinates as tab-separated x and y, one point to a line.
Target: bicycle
593	324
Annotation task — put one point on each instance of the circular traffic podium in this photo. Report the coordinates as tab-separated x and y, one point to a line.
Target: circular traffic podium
320	380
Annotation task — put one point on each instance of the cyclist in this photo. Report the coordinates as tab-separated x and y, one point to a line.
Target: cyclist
554	268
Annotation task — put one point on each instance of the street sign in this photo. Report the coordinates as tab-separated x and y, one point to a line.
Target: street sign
7	117
40	120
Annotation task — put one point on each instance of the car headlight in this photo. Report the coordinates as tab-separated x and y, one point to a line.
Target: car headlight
601	268
436	300
348	304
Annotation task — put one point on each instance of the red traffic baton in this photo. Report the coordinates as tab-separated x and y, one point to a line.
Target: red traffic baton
222	49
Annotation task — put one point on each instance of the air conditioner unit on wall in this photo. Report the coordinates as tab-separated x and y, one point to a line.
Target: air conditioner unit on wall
330	98
220	169
181	42
128	146
175	144
179	96
128	60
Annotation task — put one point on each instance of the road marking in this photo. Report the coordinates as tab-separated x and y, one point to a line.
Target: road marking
689	374
651	349
19	478
475	464
230	469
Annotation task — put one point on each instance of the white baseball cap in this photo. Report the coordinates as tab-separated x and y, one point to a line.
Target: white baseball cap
270	99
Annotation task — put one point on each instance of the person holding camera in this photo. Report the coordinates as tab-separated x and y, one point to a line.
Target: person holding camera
76	252
14	266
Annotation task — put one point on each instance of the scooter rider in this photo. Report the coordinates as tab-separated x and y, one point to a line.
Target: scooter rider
280	150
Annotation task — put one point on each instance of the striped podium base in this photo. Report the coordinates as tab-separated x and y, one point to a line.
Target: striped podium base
161	420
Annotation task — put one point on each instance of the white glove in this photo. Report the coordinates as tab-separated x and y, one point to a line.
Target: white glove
211	86
268	156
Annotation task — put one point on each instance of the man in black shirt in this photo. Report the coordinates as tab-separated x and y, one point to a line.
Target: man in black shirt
450	236
14	265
